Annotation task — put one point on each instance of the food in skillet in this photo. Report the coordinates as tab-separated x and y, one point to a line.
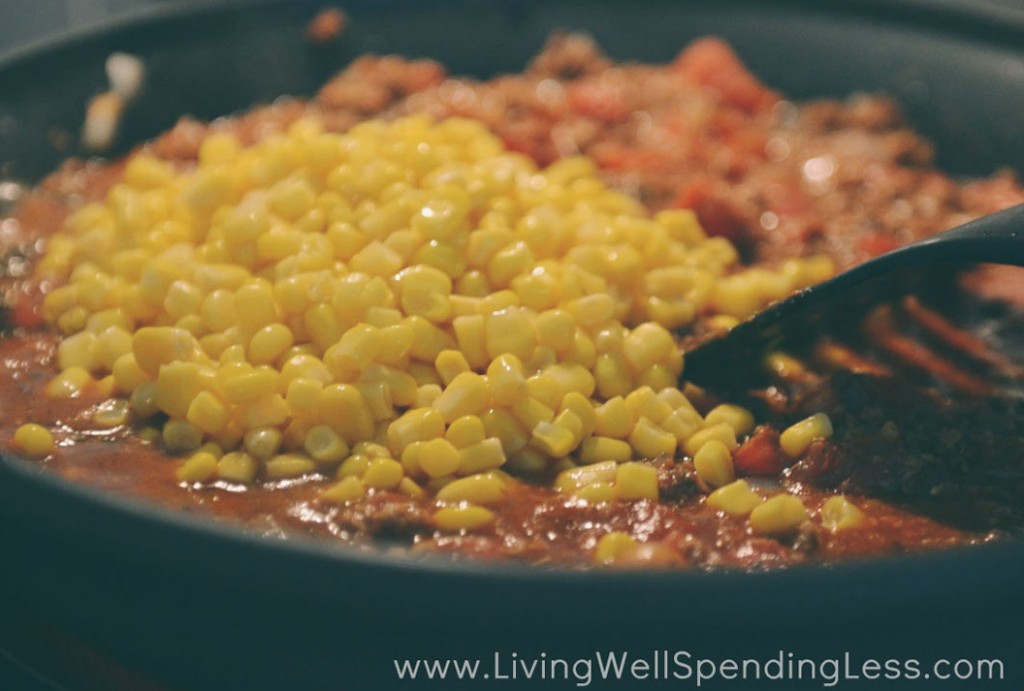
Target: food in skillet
446	314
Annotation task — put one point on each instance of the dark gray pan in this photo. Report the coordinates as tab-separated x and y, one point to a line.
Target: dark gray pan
200	605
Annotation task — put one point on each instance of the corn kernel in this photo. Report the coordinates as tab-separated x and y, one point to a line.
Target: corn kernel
647	345
269	343
613	418
643	402
237	466
736	499
467	394
649	440
199	467
409	488
713	464
556	329
598	449
438	457
463	518
482	488
721	432
34	441
158	345
207	413
262	442
466	430
796	439
383	473
611	545
636	481
485	455
77	351
612	376
418	424
839	513
345	410
354	465
111	413
69	383
179	435
597	493
288	465
740	419
450	364
554	440
575	478
506	376
347	490
779	515
470	336
510	331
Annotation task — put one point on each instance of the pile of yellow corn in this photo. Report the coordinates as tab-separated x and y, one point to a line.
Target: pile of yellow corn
407	306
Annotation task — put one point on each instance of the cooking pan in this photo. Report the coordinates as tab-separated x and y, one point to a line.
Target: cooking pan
191	604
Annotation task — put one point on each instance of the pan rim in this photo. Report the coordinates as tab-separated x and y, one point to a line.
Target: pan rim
994	22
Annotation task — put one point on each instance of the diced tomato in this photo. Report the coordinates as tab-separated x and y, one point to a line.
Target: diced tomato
874	244
598	99
761	454
711	62
717	215
627	158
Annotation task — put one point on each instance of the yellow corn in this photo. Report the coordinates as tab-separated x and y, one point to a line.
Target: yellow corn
713	464
612	376
437	457
403	281
612	545
287	466
554	440
237	466
199	467
383	473
35	441
794	440
450	364
721	432
598	449
463	518
354	465
485	455
736	499
419	424
69	383
503	425
574	478
324	445
262	442
113	412
740	419
482	488
465	431
179	435
596	493
506	376
650	440
779	515
347	490
839	513
636	481
467	394
643	402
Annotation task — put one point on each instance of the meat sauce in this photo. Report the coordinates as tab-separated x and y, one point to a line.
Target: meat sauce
928	466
